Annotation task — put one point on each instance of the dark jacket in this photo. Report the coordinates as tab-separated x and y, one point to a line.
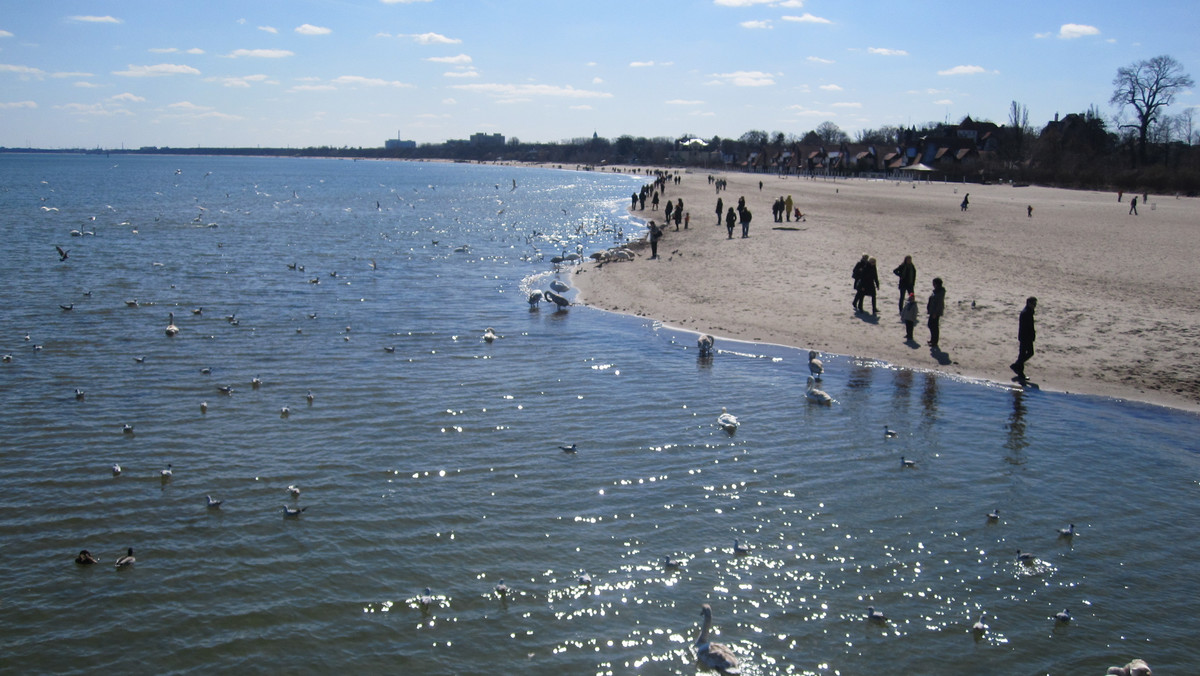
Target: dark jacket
1026	333
907	272
937	302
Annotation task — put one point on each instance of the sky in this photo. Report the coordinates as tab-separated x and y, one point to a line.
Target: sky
297	73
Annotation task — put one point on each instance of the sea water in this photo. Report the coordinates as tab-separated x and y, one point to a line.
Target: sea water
429	458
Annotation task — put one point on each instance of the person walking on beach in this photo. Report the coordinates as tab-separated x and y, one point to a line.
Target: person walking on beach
908	314
966	202
1133	206
907	272
934	308
1025	337
869	285
654	201
857	274
720	210
788	203
746	216
730	221
670	208
1029	211
655	235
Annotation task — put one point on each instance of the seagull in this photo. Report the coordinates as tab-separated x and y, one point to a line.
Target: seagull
815	367
293	511
907	464
62	253
740	549
585	580
203	407
213	504
501	588
294	491
127	428
116	469
166	474
875	616
979	627
79	395
715	656
1063	617
489	335
127	560
568	449
727	421
1068	532
994	515
889	433
285	412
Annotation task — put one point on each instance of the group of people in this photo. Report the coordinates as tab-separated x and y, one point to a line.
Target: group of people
782	208
866	283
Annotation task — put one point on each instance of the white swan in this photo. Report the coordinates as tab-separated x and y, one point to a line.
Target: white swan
559	287
815	367
705	345
716	656
534	299
727	421
558	300
127	560
815	395
172	330
489	335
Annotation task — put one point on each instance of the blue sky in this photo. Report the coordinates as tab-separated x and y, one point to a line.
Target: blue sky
356	72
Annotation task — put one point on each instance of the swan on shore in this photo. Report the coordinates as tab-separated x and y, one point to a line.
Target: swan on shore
815	395
534	299
713	655
559	287
815	367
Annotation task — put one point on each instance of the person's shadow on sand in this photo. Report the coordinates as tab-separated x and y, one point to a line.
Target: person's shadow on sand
942	358
913	344
868	317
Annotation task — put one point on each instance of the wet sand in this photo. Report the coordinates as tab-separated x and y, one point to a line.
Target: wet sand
1118	295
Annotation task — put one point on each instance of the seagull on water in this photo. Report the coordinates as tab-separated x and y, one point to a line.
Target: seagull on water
166	474
1068	532
294	491
585	580
568	449
993	515
116	469
213	504
875	615
293	511
1063	617
907	464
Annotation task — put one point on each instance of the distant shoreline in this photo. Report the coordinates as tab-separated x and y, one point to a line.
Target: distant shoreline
1119	308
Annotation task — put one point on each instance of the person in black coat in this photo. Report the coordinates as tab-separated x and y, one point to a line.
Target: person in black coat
934	309
907	272
1025	337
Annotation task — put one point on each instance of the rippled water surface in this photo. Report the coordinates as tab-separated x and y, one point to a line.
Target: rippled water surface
430	458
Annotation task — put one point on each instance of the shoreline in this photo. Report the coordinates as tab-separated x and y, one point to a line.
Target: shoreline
1119	307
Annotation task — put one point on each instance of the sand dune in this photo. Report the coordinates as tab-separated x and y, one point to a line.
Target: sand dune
1119	295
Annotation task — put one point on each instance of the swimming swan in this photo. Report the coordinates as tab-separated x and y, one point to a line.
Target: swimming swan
815	395
815	367
716	656
727	421
172	330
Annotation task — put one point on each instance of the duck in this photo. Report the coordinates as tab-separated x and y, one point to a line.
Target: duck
670	563
1062	617
569	449
993	515
127	428
426	599
815	367
875	615
308	396
907	464
889	433
727	421
166	474
85	558
293	512
213	504
815	395
489	335
256	382
705	345
171	330
1068	532
285	412
740	549
226	390
1026	558
714	655
501	589
203	407
127	560
584	579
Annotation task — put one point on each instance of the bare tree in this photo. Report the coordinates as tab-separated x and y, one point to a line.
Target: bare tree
1149	86
1018	121
831	134
1185	125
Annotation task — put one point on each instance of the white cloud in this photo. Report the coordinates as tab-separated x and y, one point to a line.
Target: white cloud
963	70
449	102
943	102
359	81
23	71
817	59
157	70
807	18
194	50
746	78
641	64
792	4
313	88
162	50
94	19
461	58
683	102
511	91
132	98
1070	31
470	72
806	112
830	88
6	34
85	85
847	104
269	29
884	51
239	82
583	106
309	29
431	39
188	105
261	53
92	109
755	24
1042	35
66	74
597	80
18	104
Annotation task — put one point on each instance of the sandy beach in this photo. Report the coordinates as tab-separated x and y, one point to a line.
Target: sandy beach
1118	295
